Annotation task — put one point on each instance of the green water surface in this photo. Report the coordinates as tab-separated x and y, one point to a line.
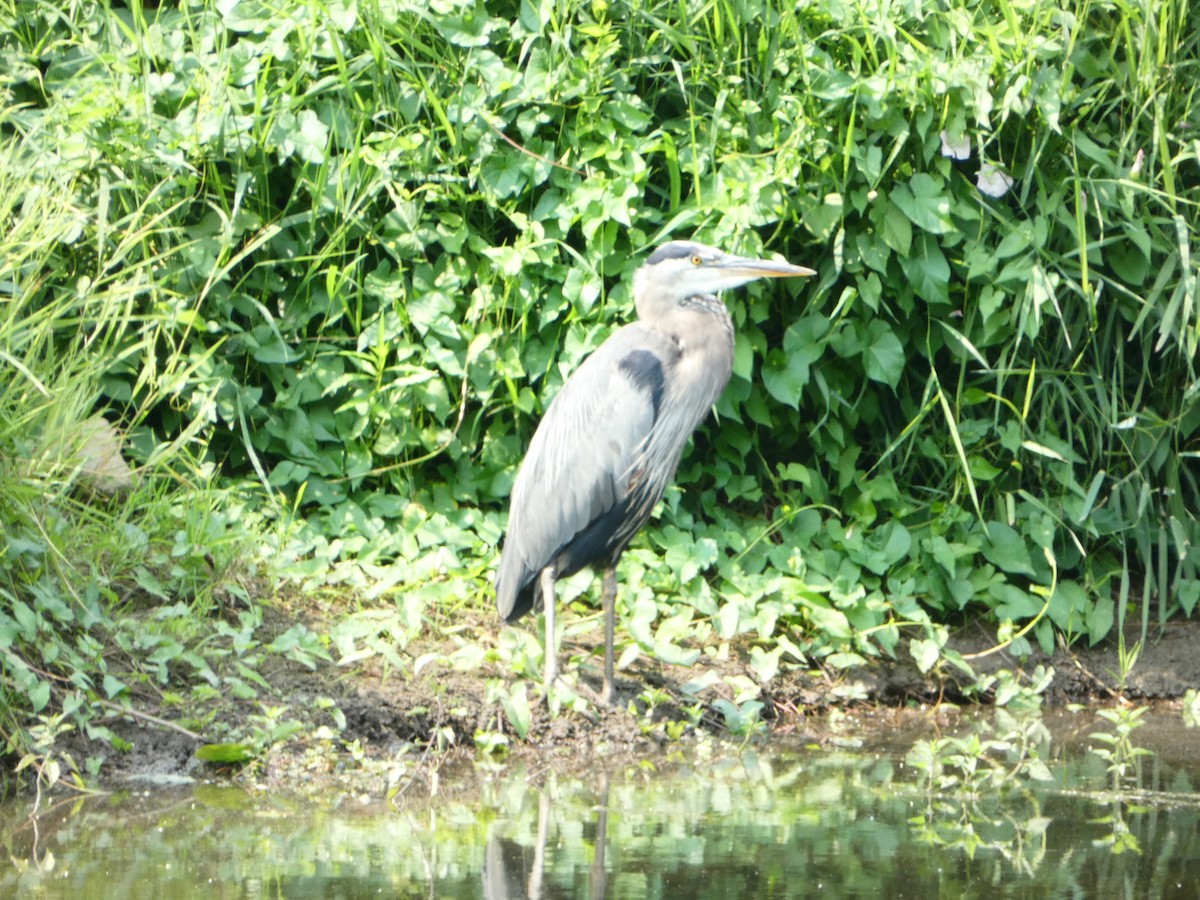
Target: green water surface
704	822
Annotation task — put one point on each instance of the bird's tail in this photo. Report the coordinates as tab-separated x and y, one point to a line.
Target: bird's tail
516	587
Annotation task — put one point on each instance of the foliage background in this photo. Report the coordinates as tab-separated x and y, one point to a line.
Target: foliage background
326	262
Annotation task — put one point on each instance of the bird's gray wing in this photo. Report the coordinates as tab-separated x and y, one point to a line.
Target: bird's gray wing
583	461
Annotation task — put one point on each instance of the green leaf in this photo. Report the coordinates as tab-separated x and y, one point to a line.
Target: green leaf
1189	593
1006	550
645	611
1100	619
926	268
743	357
1015	241
897	543
516	707
823	219
831	622
1068	607
26	618
429	309
113	686
39	695
765	664
884	548
844	660
925	653
884	354
1013	603
306	136
922	200
505	173
671	653
943	554
225	753
786	372
785	377
896	229
727	621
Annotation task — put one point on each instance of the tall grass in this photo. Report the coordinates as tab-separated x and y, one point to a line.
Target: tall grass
82	257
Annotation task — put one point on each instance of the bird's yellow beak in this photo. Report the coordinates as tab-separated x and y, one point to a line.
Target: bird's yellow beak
747	267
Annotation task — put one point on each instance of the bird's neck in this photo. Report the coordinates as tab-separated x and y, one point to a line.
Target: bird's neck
701	325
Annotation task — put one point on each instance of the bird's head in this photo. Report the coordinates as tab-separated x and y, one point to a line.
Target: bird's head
680	270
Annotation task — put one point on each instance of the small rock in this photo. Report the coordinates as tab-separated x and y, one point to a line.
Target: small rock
103	469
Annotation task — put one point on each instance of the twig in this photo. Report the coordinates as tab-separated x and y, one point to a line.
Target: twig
528	152
121	710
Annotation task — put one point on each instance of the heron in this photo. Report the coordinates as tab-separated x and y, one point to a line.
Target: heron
612	438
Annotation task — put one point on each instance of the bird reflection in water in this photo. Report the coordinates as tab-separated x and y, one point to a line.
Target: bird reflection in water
512	869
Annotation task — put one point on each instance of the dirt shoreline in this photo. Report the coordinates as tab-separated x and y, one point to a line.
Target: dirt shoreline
391	719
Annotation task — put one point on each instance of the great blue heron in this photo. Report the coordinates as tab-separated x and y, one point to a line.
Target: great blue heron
611	440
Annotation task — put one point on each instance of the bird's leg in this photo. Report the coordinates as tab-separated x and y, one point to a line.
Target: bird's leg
550	663
608	595
538	870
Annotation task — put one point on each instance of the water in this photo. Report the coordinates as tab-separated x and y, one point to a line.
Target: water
705	823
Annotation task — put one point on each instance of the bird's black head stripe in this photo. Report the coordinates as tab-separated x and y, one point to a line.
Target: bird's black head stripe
672	250
645	370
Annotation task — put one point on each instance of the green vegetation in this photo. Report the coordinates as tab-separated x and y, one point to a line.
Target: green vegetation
964	779
1191	707
324	263
1123	766
707	823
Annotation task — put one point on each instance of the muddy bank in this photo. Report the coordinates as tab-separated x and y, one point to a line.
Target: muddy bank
388	726
1167	665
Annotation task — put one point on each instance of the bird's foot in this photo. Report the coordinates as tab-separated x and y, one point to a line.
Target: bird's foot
602	698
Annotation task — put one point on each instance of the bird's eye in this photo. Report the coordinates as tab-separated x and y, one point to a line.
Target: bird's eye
696	260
